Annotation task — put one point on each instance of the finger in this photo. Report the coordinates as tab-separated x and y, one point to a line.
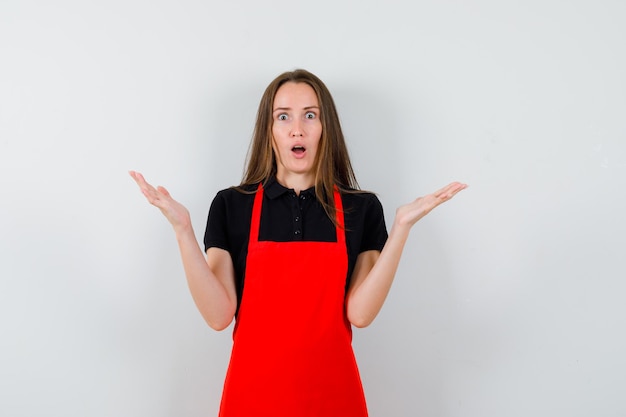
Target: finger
144	185
163	191
151	195
457	188
133	175
450	190
147	190
443	191
139	179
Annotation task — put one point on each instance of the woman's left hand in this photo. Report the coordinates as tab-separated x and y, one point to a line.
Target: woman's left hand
409	214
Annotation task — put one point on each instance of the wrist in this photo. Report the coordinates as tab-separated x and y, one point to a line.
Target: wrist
184	231
400	227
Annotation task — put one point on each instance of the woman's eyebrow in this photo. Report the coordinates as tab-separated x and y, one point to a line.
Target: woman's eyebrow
289	108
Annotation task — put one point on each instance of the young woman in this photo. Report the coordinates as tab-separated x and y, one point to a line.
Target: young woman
297	255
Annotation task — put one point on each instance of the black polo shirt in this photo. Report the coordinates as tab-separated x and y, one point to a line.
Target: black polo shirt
287	217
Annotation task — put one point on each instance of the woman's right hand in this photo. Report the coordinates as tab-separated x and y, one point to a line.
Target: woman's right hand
159	197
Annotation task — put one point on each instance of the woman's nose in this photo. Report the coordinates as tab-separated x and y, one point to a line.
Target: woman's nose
296	130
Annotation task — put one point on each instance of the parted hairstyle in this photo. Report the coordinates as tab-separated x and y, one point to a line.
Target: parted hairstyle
332	163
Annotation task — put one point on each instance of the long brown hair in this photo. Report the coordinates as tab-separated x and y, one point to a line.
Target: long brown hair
332	163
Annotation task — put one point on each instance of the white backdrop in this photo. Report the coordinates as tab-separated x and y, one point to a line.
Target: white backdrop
509	299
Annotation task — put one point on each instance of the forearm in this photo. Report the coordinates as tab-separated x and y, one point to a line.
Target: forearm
371	283
211	280
367	296
214	300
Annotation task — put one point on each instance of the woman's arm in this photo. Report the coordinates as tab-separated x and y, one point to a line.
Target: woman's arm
211	280
374	271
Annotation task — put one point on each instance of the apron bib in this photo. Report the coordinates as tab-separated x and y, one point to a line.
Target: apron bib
292	353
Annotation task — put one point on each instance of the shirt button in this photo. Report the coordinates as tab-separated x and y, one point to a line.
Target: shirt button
297	219
297	232
302	197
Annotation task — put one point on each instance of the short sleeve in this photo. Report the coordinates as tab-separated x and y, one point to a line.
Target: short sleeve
374	228
216	233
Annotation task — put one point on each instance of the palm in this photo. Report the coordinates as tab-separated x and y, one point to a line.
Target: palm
410	213
159	197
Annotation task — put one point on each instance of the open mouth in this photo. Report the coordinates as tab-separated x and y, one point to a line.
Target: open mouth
298	150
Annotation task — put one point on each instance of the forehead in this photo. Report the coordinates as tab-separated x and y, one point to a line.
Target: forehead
295	95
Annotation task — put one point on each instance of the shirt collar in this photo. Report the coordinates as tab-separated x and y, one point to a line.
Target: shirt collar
273	189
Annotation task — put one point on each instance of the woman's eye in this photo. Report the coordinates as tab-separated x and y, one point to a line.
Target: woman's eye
309	115
282	116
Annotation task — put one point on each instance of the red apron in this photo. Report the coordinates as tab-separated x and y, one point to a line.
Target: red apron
292	354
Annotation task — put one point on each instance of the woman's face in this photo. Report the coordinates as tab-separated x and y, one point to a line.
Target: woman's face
296	131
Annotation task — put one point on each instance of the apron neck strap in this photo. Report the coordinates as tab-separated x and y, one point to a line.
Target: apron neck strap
258	204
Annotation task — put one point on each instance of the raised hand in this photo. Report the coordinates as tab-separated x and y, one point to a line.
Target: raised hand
409	214
159	197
